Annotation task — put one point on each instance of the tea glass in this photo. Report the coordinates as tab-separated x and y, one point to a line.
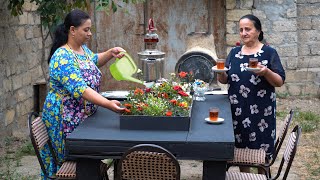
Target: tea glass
213	114
253	62
220	63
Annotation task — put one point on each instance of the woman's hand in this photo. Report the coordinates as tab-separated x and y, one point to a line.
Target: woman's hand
263	70
116	52
115	106
273	78
104	57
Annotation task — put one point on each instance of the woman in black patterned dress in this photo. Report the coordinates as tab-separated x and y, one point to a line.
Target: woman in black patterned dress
252	94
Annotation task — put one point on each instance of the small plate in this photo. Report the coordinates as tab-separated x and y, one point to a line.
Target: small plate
116	95
220	120
253	69
214	68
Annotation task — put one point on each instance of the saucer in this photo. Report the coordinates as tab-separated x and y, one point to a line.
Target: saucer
220	120
253	69
214	68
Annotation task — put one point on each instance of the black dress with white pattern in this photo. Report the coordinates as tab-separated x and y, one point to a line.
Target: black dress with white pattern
253	99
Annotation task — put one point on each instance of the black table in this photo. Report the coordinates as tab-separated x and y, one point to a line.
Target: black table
99	137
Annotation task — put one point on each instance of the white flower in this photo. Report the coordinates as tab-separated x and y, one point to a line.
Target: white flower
239	55
262	125
238	138
235	77
233	99
243	66
254	109
265	147
246	123
252	136
264	62
259	53
235	123
238	112
262	92
244	91
255	79
268	111
273	96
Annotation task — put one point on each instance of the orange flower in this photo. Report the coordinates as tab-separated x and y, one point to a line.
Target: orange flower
183	74
127	110
127	105
173	101
169	113
165	95
138	91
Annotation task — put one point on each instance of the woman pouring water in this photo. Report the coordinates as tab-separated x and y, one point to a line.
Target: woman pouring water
74	83
252	89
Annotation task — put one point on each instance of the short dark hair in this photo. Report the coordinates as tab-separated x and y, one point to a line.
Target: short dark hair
256	22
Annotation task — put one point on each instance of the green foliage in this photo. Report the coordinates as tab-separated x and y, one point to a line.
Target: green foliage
52	12
308	120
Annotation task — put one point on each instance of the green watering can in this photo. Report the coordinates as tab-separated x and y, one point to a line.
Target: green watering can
124	68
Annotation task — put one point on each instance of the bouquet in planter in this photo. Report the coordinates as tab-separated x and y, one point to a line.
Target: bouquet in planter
165	99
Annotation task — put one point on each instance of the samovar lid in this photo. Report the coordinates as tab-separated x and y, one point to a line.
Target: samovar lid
152	53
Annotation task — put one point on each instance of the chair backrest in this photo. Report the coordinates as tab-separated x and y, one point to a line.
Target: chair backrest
282	134
289	152
39	138
148	162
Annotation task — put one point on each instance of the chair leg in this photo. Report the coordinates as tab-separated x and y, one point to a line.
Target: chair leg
115	169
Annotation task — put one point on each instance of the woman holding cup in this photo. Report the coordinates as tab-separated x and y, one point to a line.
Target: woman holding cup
252	90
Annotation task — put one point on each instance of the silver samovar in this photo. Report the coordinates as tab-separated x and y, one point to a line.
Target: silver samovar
151	60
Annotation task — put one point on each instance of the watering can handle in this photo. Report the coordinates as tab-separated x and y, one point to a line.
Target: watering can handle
130	60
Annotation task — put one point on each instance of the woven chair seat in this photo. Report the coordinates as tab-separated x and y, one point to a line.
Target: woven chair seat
249	156
67	170
244	176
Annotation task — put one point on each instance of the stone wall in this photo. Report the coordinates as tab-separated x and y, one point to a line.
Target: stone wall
292	28
20	50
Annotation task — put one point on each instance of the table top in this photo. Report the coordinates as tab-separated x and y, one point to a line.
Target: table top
100	136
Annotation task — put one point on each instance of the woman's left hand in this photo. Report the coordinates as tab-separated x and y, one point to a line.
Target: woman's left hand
263	70
116	52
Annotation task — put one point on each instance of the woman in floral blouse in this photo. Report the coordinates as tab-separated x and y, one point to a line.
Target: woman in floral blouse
74	83
252	94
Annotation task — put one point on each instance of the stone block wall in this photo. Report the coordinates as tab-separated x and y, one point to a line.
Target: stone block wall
20	56
292	28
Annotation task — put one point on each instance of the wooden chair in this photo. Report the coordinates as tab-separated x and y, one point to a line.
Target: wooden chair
39	138
257	157
287	159
148	162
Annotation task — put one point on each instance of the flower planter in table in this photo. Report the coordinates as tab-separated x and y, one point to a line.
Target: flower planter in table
163	123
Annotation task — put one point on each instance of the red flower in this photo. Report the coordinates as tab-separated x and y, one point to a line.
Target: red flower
238	43
169	113
148	90
182	93
183	74
177	88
